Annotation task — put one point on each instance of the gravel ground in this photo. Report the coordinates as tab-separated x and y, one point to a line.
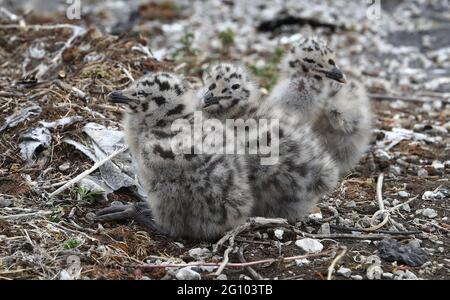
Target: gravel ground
54	117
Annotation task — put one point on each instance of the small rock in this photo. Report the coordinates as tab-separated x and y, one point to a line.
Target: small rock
406	207
179	245
395	202
422	173
187	274
346	272
351	204
244	277
90	216
410	254
395	170
403	194
405	275
432	195
309	245
357	277
279	234
316	216
265	236
429	213
64	275
387	275
199	253
222	277
4	202
64	167
437	165
325	228
302	262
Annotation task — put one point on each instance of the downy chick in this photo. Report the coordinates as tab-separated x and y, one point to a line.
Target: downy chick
304	171
194	196
339	113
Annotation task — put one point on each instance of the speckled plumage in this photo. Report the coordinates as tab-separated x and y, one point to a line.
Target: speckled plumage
340	114
304	172
195	196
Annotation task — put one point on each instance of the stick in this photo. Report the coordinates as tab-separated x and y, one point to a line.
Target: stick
334	262
234	265
354	236
255	222
252	271
381	206
87	172
225	261
22	216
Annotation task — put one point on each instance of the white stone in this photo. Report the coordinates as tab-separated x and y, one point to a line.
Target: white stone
222	277
357	277
406	207
199	253
302	262
437	165
422	173
429	213
316	216
309	245
403	194
374	272
325	228
351	204
187	274
346	272
279	234
388	275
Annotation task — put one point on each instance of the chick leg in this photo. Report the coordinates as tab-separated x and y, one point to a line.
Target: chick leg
139	212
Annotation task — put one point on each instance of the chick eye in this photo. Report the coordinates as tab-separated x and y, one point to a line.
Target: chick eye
331	62
235	86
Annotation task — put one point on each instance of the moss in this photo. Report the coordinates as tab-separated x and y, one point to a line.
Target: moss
269	73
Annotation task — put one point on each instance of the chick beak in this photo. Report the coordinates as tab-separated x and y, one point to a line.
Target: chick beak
118	97
209	99
335	74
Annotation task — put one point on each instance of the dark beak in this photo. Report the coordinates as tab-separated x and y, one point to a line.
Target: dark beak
118	97
209	99
335	74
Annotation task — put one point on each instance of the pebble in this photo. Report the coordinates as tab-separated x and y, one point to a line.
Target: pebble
179	245
302	262
116	203
222	277
403	194
357	277
64	167
387	275
351	204
325	228
316	216
199	253
265	236
437	165
422	173
406	207
90	216
64	275
6	202
279	234
346	272
429	213
309	245
395	170
431	195
187	274
405	275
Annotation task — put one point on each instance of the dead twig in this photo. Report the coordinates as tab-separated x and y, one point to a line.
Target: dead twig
252	222
233	265
40	213
255	275
87	172
335	261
